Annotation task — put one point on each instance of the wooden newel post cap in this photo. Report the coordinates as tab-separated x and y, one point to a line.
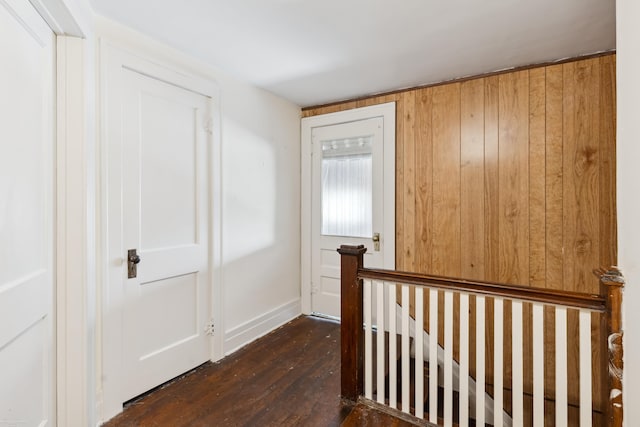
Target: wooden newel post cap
351	250
611	276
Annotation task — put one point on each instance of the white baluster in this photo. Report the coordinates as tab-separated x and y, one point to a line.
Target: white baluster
419	357
406	378
464	361
393	340
368	339
380	350
433	356
448	359
480	360
561	366
585	368
517	364
538	365
498	318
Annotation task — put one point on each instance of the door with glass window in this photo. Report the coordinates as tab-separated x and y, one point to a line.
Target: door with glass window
347	203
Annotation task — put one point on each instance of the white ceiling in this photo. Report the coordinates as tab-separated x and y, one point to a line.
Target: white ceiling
318	51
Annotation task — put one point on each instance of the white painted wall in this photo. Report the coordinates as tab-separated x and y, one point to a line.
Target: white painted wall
261	211
260	136
628	156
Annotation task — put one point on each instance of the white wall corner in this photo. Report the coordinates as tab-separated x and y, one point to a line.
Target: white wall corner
261	325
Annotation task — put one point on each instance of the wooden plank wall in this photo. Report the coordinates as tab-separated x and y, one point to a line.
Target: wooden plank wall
509	178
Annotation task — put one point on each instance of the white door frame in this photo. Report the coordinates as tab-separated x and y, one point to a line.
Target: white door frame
74	366
388	112
113	57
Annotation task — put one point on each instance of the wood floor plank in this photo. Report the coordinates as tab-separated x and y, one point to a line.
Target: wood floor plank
277	380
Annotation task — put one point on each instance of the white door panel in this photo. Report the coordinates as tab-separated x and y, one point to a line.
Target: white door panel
164	192
347	203
26	216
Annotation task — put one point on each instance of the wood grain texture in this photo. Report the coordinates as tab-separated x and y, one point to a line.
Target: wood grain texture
446	181
409	187
491	196
424	184
513	181
547	216
537	177
554	177
472	179
288	377
400	183
607	161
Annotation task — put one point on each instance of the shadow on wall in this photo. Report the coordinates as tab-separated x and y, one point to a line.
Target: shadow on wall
261	214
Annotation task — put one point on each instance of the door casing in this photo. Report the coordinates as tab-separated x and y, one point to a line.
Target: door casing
388	112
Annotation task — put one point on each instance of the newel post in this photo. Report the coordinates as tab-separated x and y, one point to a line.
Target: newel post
351	321
611	287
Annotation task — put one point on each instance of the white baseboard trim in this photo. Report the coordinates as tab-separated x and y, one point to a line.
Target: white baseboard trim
249	331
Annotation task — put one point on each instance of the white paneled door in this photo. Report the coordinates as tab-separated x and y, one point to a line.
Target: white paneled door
26	216
351	197
163	281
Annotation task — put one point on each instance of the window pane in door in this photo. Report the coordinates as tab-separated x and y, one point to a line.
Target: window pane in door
347	187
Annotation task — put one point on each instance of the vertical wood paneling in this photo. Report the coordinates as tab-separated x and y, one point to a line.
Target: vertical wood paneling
537	178
472	178
446	180
509	178
424	183
409	172
400	155
581	131
554	176
514	177
491	179
607	150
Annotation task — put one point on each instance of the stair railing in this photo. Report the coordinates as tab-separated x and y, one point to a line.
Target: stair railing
369	302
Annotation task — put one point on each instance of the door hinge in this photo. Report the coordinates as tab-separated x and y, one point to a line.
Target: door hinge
210	328
208	125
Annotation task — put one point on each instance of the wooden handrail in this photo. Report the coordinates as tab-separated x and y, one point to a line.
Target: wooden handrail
492	289
608	302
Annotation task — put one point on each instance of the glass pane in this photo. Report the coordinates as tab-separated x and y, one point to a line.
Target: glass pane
347	187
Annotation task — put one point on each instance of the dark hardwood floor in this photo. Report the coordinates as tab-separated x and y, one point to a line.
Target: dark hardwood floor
290	377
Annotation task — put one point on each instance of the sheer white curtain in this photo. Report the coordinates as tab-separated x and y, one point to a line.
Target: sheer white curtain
347	188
